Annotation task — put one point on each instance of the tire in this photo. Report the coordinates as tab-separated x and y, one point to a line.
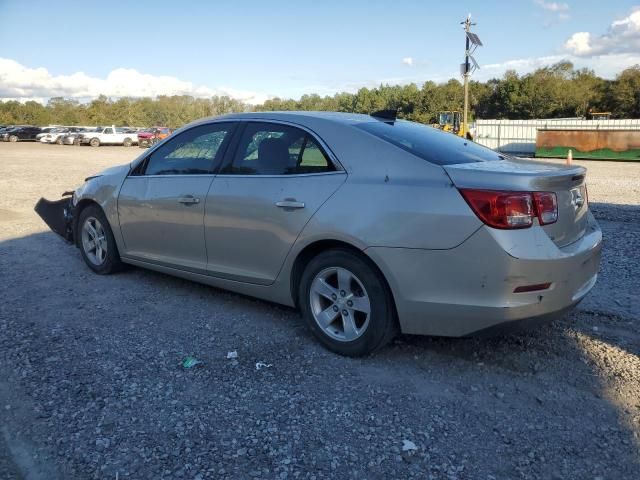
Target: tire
352	332
13	138
59	141
97	259
127	142
94	142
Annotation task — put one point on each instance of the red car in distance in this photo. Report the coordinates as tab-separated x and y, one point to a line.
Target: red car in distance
153	135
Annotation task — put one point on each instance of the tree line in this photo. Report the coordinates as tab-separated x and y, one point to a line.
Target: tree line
556	91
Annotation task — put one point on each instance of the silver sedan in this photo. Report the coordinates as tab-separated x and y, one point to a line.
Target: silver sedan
369	225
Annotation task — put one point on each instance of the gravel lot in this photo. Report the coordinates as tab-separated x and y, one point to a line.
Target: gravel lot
91	384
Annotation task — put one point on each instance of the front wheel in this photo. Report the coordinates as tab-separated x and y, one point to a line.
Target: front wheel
97	245
127	142
13	138
94	142
346	303
59	141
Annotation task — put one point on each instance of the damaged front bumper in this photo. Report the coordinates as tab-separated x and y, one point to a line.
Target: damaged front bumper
58	215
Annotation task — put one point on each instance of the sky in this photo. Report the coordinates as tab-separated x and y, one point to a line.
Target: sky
254	50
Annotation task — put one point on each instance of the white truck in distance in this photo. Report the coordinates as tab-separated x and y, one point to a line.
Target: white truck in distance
109	136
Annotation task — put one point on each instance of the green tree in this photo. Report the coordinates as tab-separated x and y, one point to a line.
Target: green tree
624	94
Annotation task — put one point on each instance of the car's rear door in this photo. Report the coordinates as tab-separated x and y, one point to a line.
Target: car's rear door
32	132
161	203
276	179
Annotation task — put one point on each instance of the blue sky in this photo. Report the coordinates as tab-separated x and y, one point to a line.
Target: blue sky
255	49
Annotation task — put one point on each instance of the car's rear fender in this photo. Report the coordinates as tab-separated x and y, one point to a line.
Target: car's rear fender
414	208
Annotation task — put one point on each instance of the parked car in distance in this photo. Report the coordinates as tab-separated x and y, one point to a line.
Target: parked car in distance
56	135
21	134
368	224
44	131
153	135
71	138
109	136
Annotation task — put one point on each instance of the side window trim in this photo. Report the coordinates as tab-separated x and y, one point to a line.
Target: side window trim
242	125
140	169
303	147
231	148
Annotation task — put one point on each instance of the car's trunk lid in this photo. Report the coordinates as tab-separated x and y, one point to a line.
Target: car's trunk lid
567	182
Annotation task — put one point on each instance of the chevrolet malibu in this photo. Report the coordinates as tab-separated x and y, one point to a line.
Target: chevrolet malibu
368	224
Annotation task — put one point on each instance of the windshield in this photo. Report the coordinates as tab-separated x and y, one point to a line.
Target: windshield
446	118
429	143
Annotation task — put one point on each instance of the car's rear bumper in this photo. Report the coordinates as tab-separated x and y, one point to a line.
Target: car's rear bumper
470	288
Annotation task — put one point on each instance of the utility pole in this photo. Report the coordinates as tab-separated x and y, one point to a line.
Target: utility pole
466	70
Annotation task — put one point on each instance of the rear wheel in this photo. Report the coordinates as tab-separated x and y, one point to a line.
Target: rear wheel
13	138
94	142
59	141
346	303
127	142
97	245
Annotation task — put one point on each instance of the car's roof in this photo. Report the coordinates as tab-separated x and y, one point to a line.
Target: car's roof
301	116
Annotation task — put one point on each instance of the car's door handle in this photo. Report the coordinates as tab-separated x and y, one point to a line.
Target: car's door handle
188	200
290	203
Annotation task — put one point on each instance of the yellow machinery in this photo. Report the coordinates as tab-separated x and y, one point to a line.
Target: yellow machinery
598	115
451	121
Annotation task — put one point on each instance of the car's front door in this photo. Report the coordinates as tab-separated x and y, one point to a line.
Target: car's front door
263	197
161	203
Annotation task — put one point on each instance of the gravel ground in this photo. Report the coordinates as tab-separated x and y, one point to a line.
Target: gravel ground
91	384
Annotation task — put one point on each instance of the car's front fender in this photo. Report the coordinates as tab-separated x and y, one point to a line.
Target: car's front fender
103	189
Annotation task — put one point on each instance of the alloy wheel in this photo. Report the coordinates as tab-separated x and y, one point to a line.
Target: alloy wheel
94	241
340	304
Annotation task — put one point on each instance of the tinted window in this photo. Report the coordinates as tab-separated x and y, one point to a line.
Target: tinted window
429	143
192	152
273	149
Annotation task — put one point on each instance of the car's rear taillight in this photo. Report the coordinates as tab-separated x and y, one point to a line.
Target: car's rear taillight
510	210
546	207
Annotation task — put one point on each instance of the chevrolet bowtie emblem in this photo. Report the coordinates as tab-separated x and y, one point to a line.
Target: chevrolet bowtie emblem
577	199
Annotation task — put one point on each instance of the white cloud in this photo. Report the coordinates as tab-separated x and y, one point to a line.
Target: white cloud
23	83
553	6
607	54
553	12
622	36
408	61
606	66
520	65
578	43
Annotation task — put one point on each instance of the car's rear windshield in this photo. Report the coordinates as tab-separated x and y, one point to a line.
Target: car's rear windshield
435	146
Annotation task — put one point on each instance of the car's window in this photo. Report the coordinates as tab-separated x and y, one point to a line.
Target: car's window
192	152
274	149
429	143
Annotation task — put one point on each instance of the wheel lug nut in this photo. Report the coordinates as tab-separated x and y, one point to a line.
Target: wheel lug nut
350	303
334	296
345	313
335	308
342	293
